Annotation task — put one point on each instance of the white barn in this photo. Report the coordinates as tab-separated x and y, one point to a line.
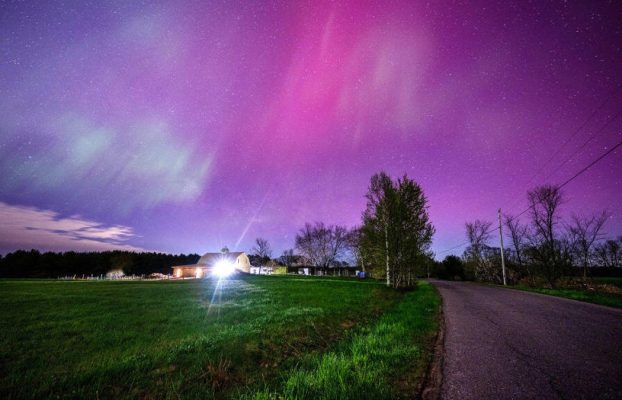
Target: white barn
208	262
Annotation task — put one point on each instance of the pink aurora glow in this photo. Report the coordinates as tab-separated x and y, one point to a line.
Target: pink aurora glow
203	124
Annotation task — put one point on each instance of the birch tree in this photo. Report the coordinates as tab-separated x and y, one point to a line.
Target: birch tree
396	230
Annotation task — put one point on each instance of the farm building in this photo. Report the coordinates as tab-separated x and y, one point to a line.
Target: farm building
214	263
345	270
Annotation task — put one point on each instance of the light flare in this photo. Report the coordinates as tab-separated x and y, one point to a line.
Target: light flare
224	268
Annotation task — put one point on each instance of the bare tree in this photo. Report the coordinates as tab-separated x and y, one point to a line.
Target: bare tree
584	232
322	245
288	257
263	250
544	202
478	234
609	253
339	243
548	248
518	235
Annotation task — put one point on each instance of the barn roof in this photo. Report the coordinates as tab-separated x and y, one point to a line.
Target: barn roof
187	266
212	258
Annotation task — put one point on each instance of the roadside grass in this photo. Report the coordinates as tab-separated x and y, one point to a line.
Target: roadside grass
590	296
386	360
204	339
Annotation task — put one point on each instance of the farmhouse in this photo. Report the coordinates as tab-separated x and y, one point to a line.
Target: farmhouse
224	263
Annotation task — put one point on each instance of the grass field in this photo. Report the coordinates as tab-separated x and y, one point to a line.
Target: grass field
253	337
590	296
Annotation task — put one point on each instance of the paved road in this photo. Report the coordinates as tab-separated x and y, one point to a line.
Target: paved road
507	344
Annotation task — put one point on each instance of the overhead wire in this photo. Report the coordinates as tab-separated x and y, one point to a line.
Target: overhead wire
559	186
574	133
611	94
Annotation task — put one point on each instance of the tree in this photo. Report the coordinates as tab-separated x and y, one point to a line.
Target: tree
322	245
288	258
376	218
262	251
549	250
478	234
519	237
355	248
609	253
452	267
262	248
122	261
585	231
396	230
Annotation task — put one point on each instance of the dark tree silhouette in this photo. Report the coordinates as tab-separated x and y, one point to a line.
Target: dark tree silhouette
34	264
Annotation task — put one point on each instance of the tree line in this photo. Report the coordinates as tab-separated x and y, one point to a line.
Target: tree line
543	248
35	264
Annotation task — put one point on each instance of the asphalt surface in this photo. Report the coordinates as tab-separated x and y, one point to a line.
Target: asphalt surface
508	344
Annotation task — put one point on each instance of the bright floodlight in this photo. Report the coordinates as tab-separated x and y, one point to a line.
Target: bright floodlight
224	268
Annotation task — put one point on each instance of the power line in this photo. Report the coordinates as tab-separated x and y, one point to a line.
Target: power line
566	182
591	164
589	139
572	136
453	248
576	132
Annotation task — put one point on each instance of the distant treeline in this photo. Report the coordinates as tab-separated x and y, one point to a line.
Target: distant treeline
456	268
34	264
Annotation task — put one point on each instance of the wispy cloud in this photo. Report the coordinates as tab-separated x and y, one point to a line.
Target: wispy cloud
29	227
133	164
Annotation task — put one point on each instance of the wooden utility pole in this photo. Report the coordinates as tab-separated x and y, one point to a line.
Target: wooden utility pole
501	240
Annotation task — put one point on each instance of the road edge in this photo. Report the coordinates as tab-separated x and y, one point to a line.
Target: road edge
434	377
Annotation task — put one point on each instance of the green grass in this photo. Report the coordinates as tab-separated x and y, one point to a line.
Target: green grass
590	296
388	360
253	336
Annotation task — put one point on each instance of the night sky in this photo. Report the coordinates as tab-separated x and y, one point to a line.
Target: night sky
186	126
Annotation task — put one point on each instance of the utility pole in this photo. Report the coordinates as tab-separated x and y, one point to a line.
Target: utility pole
501	240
